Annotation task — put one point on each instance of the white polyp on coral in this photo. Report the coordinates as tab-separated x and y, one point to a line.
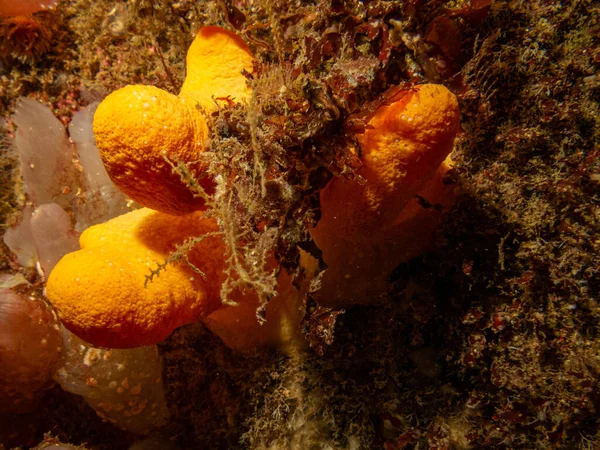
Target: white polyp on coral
125	387
99	199
45	155
20	240
53	235
52	175
45	235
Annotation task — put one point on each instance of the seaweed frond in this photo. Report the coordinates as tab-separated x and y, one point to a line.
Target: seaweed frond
181	253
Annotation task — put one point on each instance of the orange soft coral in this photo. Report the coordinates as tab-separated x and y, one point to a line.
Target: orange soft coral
368	229
138	127
101	293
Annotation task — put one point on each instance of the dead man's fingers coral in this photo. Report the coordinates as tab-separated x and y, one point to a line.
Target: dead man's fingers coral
103	295
101	292
138	128
384	221
368	229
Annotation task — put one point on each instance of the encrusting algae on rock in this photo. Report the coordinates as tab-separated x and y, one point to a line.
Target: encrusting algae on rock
117	292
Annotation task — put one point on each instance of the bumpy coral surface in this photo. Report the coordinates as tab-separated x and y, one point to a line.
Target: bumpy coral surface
138	127
215	62
368	228
403	146
104	293
101	292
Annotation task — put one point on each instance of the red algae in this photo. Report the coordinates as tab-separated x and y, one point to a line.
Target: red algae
30	344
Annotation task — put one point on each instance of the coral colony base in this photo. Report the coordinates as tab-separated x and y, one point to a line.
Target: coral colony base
176	266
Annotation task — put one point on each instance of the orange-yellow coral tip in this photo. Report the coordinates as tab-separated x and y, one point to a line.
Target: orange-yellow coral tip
100	291
141	130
